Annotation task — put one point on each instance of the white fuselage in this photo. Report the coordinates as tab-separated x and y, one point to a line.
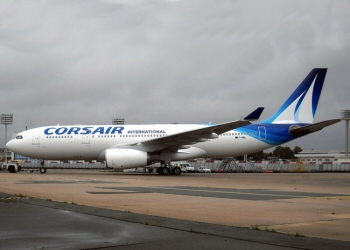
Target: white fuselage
90	142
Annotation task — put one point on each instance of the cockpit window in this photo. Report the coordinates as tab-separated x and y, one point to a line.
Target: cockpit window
19	137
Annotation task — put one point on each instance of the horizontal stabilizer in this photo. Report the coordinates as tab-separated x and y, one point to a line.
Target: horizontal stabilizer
297	132
255	115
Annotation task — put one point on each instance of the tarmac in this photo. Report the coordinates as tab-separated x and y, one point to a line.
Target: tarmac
71	209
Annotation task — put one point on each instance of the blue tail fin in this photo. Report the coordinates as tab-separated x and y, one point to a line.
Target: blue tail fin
301	106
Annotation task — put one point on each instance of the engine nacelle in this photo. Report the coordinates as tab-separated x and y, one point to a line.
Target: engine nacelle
126	158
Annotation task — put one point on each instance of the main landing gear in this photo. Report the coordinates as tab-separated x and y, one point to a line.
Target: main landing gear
166	169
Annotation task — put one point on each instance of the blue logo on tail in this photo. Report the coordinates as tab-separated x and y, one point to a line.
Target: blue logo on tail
301	106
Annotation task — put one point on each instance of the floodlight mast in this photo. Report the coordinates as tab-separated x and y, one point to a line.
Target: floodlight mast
6	119
346	117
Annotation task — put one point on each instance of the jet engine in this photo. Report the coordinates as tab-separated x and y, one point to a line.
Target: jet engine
126	158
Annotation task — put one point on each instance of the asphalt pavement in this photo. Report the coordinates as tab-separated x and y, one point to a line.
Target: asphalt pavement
30	223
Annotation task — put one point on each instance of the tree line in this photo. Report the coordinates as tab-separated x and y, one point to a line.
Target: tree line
279	152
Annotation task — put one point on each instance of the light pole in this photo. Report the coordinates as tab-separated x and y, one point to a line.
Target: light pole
346	117
6	119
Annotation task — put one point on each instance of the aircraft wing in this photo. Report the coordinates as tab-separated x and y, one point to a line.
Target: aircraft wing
301	131
183	139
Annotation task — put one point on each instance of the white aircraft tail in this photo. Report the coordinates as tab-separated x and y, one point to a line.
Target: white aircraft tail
301	106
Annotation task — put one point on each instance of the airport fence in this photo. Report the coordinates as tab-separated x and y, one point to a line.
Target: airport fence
222	166
62	165
232	166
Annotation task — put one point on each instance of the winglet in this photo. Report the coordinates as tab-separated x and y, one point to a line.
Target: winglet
255	115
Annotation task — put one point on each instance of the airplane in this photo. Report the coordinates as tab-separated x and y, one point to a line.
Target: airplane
131	146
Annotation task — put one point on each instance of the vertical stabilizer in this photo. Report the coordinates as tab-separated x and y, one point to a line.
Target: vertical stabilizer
301	106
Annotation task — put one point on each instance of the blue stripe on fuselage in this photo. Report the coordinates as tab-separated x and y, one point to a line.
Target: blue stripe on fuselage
275	134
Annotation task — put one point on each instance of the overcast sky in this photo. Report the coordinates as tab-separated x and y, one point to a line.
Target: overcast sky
87	62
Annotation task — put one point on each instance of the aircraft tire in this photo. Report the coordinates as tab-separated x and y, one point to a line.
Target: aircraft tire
160	170
177	171
42	170
165	170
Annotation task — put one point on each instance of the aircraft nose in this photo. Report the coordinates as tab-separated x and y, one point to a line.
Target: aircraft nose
11	145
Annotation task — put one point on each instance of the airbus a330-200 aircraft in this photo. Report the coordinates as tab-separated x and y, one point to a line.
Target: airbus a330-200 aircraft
130	146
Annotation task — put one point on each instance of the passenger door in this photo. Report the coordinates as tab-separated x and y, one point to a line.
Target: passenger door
86	139
36	138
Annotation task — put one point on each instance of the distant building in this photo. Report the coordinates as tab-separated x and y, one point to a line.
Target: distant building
2	155
18	157
322	155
